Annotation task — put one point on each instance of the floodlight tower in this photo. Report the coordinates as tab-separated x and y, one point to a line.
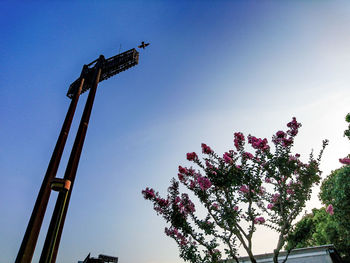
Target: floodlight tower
93	73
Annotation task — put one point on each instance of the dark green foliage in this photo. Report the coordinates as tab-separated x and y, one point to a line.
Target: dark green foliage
319	227
335	190
347	132
302	234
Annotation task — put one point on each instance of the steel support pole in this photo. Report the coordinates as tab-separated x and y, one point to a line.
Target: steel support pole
54	233
26	251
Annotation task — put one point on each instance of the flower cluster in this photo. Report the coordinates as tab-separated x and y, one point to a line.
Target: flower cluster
206	149
208	164
329	210
345	161
204	182
192	179
192	156
281	138
270	206
275	198
244	189
184	204
160	204
182	173
259	220
262	190
174	232
290	191
215	206
258	144
227	157
293	127
148	193
239	140
247	155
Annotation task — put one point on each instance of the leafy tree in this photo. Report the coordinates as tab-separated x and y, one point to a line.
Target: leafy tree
331	225
314	229
239	191
335	192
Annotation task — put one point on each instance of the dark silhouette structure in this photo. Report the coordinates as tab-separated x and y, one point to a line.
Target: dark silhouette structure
91	74
101	259
143	45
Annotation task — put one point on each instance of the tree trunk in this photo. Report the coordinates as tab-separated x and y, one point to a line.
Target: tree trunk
251	257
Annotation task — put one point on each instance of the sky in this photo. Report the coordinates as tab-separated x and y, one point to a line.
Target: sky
212	68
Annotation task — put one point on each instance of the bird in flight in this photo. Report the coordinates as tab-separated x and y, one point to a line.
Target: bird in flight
143	45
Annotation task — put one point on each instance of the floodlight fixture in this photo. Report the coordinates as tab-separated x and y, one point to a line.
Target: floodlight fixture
110	67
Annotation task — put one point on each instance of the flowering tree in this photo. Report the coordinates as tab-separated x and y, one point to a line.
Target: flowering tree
240	190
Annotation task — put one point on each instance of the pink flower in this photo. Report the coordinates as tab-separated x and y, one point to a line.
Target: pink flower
239	140
345	161
236	208
329	210
292	158
227	158
244	189
148	193
290	191
257	143
192	156
173	232
259	220
204	182
209	223
208	165
275	197
215	206
267	180
182	170
206	149
191	171
286	142
294	126
177	199
181	177
184	204
270	206
163	202
262	190
189	205
281	134
248	155
192	184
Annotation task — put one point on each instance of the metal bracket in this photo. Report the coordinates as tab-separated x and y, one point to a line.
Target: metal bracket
60	185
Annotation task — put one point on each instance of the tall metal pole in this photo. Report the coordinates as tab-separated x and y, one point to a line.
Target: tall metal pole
26	251
54	233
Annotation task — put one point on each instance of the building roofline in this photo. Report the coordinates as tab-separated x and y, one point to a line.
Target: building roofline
296	253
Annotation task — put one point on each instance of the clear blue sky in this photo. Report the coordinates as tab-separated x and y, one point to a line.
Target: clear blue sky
213	68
